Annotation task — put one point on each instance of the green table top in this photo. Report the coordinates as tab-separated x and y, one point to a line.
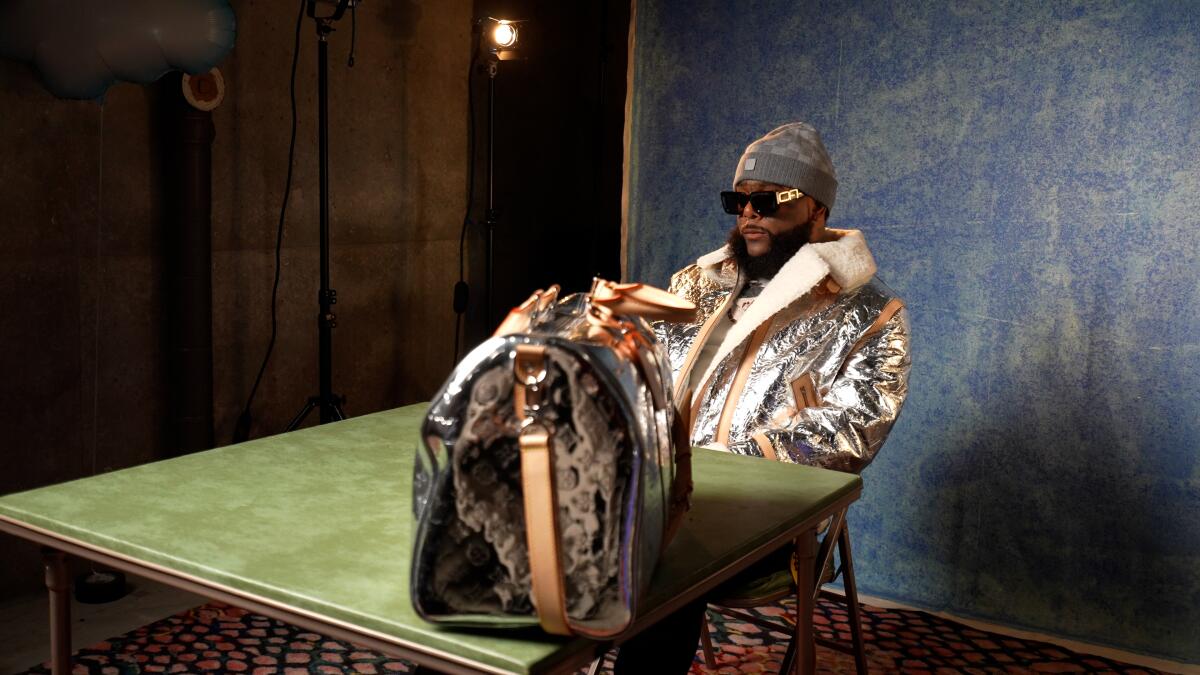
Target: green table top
320	520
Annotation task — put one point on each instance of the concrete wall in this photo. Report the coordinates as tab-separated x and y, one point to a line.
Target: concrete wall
1026	176
82	216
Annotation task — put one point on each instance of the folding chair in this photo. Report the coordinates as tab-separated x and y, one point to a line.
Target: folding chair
837	535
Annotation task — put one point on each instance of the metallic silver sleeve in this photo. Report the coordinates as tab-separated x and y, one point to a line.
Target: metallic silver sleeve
855	415
677	338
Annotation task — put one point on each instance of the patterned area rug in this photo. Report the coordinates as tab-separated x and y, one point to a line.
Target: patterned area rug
217	638
895	641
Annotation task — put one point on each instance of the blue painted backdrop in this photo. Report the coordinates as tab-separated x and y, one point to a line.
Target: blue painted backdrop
1028	175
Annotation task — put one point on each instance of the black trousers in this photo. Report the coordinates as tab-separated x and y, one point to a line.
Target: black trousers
669	646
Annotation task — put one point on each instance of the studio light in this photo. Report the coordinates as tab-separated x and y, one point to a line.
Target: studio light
493	40
504	35
500	38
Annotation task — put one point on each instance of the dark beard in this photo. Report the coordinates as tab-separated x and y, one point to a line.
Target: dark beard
765	266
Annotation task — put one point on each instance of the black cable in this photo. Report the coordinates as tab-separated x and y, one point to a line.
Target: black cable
461	289
241	431
353	30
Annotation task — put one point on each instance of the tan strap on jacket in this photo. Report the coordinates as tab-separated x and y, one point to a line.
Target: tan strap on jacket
805	392
739	381
541	529
885	315
681	487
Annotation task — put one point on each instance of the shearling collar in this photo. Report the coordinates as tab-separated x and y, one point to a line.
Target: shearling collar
844	257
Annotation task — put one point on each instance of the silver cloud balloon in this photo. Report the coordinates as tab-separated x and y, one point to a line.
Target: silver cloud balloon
81	47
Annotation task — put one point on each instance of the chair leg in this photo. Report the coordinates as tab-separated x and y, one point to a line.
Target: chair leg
837	524
710	659
860	655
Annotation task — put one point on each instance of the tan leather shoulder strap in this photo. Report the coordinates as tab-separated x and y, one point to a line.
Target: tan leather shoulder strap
885	315
765	445
681	487
541	529
689	361
538	491
889	310
739	381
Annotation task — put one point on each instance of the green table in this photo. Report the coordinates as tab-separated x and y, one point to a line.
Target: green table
312	528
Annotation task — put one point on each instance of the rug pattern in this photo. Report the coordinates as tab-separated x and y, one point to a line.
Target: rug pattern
218	638
895	641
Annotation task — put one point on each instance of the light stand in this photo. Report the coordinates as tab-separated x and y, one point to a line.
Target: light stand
491	216
501	45
328	402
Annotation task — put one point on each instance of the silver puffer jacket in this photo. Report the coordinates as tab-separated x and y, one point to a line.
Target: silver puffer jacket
814	372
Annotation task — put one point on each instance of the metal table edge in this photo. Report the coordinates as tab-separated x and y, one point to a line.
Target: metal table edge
301	617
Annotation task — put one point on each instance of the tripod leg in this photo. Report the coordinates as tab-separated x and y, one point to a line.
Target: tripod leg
299	418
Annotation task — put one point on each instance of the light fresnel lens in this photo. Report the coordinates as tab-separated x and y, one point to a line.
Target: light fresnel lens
504	35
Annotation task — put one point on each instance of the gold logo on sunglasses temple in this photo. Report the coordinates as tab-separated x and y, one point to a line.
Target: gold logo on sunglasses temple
788	195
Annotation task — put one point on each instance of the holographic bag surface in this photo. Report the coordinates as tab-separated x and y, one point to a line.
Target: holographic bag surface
550	478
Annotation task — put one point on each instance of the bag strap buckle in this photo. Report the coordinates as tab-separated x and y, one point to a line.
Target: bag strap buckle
529	367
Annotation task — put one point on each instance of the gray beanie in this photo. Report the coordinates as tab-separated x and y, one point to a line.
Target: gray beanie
791	155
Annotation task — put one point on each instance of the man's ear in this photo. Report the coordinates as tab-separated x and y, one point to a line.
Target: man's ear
821	215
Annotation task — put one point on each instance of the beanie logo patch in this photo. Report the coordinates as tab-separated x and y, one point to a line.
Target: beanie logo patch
750	163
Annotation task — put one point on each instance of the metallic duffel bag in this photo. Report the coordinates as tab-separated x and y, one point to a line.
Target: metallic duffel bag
554	467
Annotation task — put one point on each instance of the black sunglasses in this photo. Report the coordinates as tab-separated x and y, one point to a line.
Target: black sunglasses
763	203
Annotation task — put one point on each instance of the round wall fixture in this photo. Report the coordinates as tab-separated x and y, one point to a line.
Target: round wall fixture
204	91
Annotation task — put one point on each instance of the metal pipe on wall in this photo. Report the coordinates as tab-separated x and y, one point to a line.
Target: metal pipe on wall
189	272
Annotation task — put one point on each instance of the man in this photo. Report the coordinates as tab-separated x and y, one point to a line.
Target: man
798	353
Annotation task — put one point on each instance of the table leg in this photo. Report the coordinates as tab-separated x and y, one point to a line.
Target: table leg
806	653
58	582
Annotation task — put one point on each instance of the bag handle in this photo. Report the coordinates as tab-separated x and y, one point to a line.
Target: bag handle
520	317
632	299
541	529
538	492
536	441
609	299
642	300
